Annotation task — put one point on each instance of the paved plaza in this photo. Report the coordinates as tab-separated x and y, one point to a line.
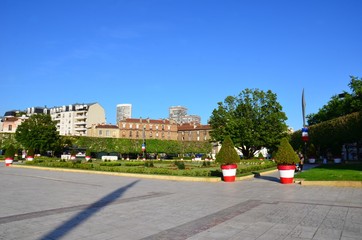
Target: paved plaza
41	204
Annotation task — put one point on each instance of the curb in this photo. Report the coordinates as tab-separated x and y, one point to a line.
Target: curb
354	184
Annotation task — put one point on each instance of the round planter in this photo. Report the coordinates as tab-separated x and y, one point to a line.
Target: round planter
73	157
8	161
87	158
311	160
29	158
229	172
286	173
337	160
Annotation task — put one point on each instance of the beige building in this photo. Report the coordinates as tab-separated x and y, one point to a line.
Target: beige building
103	130
193	132
138	128
75	119
10	124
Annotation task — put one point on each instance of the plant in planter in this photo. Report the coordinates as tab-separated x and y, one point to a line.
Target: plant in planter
286	158
9	155
88	154
228	158
30	154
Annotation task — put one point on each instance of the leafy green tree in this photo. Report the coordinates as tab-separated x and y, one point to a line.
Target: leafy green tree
38	132
253	120
340	104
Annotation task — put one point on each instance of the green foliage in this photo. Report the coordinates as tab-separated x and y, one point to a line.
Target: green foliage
285	154
227	153
180	165
30	152
10	152
88	152
134	146
331	135
341	104
149	164
253	120
38	132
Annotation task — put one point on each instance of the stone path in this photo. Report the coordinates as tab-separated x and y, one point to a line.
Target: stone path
38	204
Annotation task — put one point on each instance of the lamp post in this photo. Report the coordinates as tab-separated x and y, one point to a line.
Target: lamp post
305	136
144	144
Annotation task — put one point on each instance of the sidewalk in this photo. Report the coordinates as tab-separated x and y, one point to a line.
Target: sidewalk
38	204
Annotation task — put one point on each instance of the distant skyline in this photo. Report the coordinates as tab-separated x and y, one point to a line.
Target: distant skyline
155	54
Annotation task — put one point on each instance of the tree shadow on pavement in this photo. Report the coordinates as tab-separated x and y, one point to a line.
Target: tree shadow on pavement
257	175
86	213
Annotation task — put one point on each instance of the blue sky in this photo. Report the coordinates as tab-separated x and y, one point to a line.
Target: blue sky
160	53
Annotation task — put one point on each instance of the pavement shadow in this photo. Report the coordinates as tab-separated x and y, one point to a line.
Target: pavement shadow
86	213
257	175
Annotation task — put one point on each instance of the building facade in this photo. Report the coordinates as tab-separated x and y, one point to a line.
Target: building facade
193	132
75	119
138	128
123	111
180	116
103	131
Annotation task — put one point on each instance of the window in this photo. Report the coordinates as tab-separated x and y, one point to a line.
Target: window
10	127
99	132
107	133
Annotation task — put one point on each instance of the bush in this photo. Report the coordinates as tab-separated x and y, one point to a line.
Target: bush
180	165
10	152
285	154
227	153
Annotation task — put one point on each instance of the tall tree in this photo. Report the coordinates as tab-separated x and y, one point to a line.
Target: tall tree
253	120
340	104
38	132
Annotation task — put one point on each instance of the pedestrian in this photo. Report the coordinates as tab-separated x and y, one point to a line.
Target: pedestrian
301	161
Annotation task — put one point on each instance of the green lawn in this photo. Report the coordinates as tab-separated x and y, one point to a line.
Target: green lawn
333	172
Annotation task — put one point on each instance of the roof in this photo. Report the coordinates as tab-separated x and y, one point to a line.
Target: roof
146	120
193	127
107	126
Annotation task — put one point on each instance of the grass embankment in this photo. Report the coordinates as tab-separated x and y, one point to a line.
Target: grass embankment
333	172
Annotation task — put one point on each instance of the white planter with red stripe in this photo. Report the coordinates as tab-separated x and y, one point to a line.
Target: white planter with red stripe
8	161
87	158
29	158
286	173
229	172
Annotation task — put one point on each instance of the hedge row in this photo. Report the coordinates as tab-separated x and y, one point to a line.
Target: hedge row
115	167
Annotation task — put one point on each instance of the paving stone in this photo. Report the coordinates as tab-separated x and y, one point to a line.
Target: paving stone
66	205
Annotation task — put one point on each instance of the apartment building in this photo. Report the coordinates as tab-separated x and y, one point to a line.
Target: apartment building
123	111
193	132
12	119
75	119
180	116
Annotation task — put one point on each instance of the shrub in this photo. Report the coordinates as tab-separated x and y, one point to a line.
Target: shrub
227	153
285	154
10	152
180	165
